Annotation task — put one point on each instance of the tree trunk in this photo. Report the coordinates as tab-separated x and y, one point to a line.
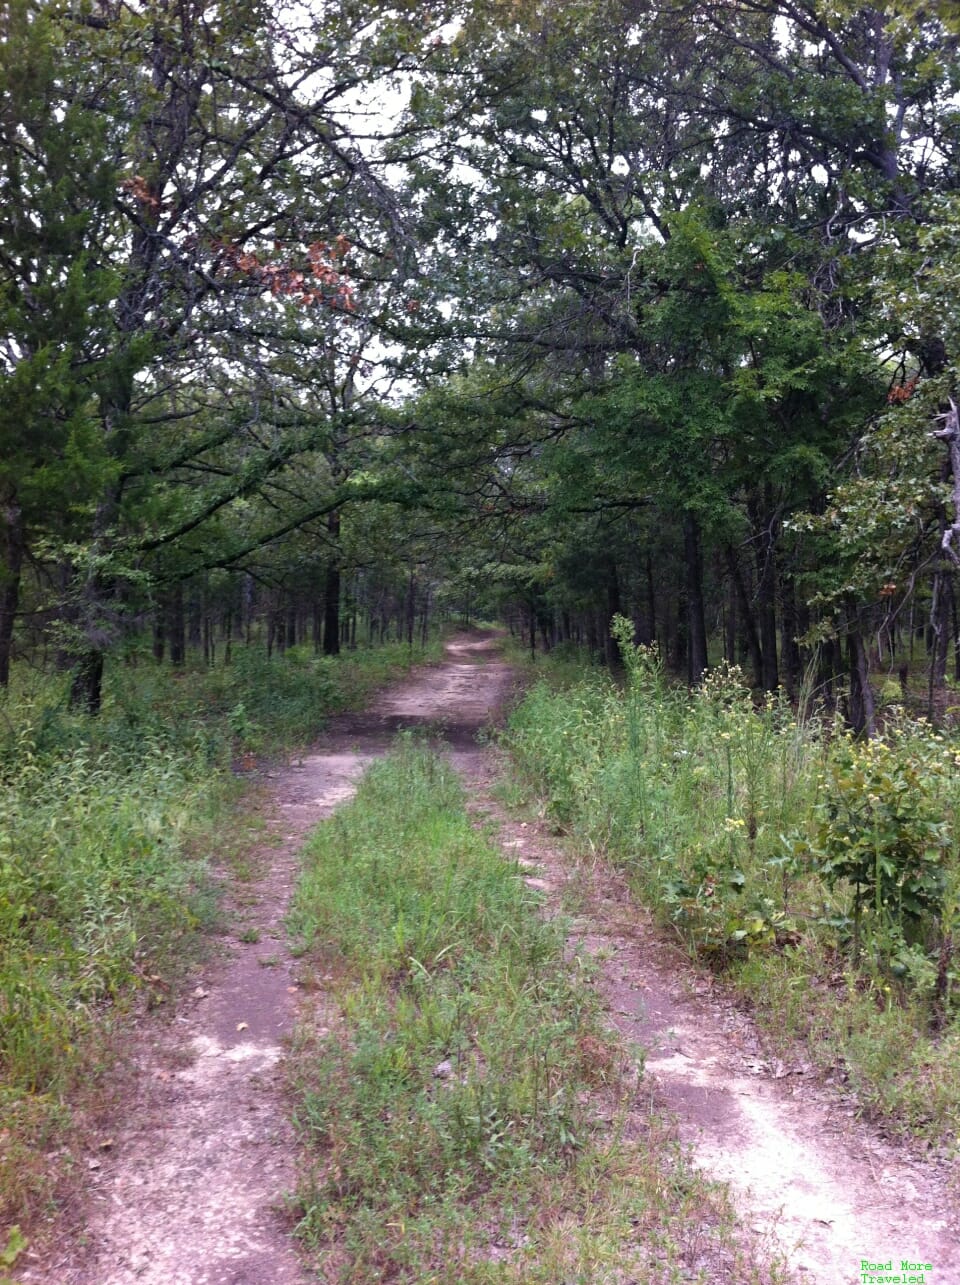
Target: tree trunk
411	608
10	568
747	622
767	604
159	638
331	591
208	642
86	689
730	627
176	627
939	641
650	633
610	653
425	619
862	716
696	616
789	631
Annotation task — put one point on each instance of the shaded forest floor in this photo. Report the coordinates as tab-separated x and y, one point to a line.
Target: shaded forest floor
189	1168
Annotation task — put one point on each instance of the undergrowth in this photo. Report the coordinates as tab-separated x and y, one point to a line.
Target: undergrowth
820	873
109	829
449	1106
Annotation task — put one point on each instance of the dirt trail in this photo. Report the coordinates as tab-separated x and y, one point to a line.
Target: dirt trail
191	1190
818	1186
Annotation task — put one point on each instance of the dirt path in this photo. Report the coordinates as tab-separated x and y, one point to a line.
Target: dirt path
820	1188
190	1189
190	1192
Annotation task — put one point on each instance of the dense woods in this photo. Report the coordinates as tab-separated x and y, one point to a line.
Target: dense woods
318	316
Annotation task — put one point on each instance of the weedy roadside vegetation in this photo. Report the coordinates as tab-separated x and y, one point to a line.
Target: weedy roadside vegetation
821	874
461	1106
109	831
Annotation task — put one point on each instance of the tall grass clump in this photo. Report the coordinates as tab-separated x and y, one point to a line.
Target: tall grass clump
101	883
819	871
448	1107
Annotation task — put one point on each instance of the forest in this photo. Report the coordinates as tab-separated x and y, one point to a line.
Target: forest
630	328
548	311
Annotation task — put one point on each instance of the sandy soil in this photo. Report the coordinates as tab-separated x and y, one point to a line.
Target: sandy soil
191	1189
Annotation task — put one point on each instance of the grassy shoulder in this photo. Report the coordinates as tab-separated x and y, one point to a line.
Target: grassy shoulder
820	875
463	1111
115	835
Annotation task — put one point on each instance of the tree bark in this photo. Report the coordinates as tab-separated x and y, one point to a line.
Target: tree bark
176	627
86	689
159	637
411	608
789	631
767	601
747	623
610	653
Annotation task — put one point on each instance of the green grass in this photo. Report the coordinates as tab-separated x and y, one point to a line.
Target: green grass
109	832
450	1107
747	831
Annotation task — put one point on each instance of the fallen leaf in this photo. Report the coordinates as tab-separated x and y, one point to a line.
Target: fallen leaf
200	993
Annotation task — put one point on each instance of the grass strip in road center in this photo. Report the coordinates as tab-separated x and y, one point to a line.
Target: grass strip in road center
465	1116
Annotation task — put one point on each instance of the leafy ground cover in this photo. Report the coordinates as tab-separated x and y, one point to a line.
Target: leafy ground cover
463	1111
819	872
111	833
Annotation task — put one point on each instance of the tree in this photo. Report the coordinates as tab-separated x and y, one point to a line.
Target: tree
56	298
688	215
230	194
